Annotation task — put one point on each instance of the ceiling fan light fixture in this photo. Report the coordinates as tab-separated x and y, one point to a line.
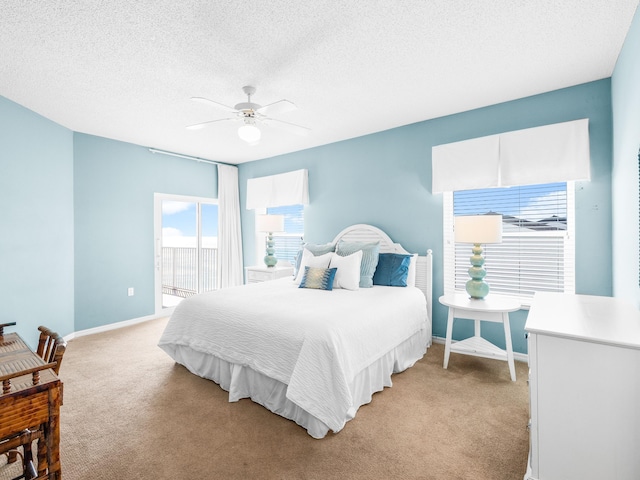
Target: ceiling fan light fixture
251	114
249	132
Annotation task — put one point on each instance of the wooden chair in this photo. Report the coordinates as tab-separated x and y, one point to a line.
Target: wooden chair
51	347
9	447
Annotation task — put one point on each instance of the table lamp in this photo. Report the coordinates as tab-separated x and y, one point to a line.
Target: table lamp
478	229
269	224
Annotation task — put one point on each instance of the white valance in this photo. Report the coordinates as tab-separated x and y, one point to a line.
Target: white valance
291	188
552	153
466	165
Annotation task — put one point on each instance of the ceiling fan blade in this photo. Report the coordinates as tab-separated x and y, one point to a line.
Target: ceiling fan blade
276	108
211	103
290	127
198	126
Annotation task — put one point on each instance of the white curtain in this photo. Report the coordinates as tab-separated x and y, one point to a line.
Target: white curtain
229	230
547	154
291	188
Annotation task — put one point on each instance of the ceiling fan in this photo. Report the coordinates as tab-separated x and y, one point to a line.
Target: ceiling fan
250	114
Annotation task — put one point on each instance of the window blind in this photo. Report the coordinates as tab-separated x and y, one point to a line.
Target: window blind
288	243
537	252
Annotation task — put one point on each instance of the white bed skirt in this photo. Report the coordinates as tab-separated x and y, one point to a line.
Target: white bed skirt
244	382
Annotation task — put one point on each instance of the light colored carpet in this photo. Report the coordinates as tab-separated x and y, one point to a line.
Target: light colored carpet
130	412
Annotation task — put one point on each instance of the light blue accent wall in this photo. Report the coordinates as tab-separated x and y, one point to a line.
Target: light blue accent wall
625	87
384	179
114	187
36	222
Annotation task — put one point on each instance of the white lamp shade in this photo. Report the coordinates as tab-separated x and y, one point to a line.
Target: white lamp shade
478	229
270	223
249	133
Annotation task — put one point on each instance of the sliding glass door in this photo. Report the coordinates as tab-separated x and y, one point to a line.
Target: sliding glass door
186	237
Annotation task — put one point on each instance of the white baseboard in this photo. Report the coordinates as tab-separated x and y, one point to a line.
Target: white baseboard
113	326
519	357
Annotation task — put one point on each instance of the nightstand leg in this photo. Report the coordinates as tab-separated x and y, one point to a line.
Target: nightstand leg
507	339
447	342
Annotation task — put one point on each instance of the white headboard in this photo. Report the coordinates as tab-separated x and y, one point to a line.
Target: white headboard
424	266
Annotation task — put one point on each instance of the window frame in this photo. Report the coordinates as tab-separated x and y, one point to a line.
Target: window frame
568	245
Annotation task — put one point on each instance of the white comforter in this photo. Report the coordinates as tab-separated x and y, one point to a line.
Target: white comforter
314	341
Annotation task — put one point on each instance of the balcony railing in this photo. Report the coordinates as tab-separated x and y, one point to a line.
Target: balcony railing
180	273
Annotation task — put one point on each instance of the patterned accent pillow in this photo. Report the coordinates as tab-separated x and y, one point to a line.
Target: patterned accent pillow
319	278
311	260
370	252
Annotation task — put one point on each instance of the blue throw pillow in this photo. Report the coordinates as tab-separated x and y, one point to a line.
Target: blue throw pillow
319	278
369	262
392	270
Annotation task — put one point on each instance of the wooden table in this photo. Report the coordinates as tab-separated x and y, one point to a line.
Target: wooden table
31	398
493	308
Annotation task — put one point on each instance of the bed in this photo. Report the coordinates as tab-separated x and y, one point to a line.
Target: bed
308	355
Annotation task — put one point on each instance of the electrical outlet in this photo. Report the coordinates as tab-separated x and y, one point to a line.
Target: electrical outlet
130	292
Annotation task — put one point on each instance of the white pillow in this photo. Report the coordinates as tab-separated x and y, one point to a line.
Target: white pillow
348	273
411	276
310	260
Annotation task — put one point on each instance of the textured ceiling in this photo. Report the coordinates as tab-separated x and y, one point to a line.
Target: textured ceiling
126	69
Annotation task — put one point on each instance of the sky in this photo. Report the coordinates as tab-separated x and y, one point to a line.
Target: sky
179	223
531	202
293	220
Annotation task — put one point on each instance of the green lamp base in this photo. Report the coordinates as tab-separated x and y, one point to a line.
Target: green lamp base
477	287
270	260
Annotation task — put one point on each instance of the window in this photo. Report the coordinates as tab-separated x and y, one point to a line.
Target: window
537	252
186	232
288	243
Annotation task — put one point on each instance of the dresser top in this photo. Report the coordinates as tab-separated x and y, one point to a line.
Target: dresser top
585	317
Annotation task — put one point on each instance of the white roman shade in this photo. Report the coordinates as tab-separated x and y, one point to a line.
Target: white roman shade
291	188
547	154
466	165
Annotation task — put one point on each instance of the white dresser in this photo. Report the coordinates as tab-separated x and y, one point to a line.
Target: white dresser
584	385
263	273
